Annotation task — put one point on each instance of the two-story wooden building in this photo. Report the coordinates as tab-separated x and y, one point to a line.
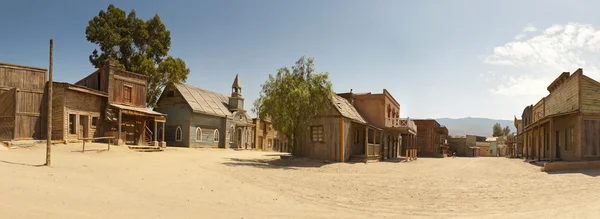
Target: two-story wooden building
383	111
22	102
565	124
340	133
432	138
203	118
110	102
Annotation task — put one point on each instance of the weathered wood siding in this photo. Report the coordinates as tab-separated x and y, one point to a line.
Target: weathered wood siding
208	124
7	114
118	79
58	111
351	131
590	145
178	116
78	103
29	100
538	111
329	148
590	95
97	80
569	151
565	98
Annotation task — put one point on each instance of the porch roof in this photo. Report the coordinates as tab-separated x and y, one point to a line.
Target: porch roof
138	111
547	119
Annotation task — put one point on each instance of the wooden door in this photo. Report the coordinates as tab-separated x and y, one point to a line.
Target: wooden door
84	126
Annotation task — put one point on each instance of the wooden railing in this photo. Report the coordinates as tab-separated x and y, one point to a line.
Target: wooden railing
392	122
99	138
373	149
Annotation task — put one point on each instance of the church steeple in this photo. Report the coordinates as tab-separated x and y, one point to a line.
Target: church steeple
236	102
236	87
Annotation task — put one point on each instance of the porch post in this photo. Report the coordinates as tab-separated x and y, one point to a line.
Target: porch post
119	124
366	141
551	138
155	142
163	135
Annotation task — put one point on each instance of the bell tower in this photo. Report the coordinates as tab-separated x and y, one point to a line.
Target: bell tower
236	102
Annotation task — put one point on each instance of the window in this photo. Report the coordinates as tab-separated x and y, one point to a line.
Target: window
94	121
216	136
72	124
127	94
317	134
198	134
178	133
356	136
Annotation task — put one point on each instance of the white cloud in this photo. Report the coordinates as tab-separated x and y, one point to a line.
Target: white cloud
529	28
529	64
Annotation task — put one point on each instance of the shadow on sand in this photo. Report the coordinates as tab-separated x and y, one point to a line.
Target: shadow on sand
22	164
588	172
293	163
91	150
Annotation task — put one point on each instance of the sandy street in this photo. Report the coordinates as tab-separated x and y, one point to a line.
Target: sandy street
215	183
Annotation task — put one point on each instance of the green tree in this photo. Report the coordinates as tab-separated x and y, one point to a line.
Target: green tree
138	46
506	131
292	97
497	130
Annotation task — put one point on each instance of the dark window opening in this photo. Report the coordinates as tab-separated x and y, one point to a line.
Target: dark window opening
127	94
94	121
72	124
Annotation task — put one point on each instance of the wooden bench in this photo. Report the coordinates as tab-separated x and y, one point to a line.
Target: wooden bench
98	138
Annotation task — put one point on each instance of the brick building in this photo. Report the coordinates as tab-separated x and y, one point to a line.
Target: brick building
432	138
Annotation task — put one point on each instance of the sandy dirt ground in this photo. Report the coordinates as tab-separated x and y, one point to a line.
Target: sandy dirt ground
216	183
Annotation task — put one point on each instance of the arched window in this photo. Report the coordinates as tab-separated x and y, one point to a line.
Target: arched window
178	133
216	134
198	134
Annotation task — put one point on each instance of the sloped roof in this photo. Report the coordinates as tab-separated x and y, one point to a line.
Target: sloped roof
346	109
236	83
491	139
204	101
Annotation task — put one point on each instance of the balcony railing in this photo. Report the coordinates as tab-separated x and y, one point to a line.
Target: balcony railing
400	123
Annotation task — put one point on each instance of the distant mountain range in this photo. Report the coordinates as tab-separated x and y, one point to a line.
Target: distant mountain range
473	126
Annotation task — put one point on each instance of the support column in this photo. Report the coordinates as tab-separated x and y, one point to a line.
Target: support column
119	124
551	139
155	142
163	143
366	142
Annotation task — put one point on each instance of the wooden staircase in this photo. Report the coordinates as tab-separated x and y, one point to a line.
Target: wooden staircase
148	143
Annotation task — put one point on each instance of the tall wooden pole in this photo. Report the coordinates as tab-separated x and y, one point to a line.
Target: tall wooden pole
49	136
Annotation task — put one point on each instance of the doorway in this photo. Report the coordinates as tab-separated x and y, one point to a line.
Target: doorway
84	126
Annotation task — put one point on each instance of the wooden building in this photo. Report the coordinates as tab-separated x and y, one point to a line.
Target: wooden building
109	102
266	138
339	133
465	146
565	124
381	110
22	102
203	118
432	138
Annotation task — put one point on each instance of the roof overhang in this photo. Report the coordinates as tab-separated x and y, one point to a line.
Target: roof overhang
138	111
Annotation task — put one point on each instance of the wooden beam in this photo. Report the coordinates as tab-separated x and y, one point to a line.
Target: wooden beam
49	116
16	110
366	141
551	138
119	124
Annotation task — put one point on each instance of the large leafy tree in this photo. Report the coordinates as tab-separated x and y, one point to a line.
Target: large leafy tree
136	45
292	97
497	130
506	131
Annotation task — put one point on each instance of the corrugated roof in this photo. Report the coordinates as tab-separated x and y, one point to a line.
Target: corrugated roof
204	101
346	109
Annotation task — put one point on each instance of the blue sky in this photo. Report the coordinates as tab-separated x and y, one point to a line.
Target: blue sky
437	58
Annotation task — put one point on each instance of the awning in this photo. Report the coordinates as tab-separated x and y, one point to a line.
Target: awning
138	111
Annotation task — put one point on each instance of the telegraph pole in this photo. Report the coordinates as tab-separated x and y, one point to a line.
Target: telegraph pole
49	116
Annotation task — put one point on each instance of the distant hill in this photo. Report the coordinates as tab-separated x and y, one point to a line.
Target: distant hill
473	126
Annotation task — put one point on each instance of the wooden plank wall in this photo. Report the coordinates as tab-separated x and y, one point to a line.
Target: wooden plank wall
78	103
7	114
565	98
538	111
119	79
29	98
591	139
590	95
97	80
58	111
